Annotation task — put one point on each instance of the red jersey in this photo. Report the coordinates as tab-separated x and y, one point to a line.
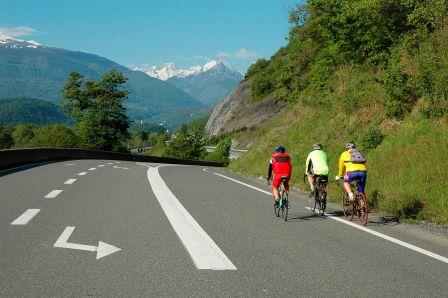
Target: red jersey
281	164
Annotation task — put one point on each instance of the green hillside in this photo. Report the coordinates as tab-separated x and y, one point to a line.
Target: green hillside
371	71
31	111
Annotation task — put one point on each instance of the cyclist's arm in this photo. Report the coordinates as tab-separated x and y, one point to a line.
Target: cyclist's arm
270	170
341	166
307	164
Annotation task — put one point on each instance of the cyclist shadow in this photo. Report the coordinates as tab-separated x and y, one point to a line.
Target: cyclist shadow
305	217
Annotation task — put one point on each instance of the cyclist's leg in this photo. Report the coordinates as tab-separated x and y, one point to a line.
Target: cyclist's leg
286	183
362	176
348	188
275	184
310	180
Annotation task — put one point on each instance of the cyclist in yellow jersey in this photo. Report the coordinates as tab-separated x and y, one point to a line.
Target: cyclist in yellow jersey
352	170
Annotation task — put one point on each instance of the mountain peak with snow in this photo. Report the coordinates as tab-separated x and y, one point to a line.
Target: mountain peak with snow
7	41
169	70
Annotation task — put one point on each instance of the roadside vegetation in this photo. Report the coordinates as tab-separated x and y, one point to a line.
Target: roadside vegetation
371	71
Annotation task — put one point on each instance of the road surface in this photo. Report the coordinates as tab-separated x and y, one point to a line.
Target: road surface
110	228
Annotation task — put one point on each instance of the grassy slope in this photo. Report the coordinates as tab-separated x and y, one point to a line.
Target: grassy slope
406	173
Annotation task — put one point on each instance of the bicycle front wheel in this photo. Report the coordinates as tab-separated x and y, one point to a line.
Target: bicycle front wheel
361	210
347	207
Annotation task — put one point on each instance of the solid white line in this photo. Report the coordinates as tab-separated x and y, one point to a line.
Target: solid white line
202	249
92	169
70	181
82	173
245	184
391	239
53	194
25	217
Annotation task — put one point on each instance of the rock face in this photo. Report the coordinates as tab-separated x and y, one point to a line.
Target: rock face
239	111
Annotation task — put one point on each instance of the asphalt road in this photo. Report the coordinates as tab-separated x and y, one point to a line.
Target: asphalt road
170	221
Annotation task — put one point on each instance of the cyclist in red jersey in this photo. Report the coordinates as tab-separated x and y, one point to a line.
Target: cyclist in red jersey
280	163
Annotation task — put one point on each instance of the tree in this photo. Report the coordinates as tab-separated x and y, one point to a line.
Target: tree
222	151
54	136
6	140
23	135
98	111
188	142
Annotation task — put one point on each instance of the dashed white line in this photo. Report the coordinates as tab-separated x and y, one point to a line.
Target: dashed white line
110	163
25	217
70	181
383	236
69	164
100	166
202	249
53	194
92	169
82	173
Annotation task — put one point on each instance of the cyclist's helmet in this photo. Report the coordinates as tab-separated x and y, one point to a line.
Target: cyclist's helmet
280	149
350	145
317	146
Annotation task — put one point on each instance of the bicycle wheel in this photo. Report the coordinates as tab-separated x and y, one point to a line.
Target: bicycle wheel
278	206
347	207
317	202
285	207
361	209
323	200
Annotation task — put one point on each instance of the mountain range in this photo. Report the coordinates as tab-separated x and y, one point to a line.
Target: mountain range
29	69
209	83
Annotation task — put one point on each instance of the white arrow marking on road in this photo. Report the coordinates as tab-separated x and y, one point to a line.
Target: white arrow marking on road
102	250
203	250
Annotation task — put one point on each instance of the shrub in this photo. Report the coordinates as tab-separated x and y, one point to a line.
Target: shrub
6	140
372	138
55	136
23	135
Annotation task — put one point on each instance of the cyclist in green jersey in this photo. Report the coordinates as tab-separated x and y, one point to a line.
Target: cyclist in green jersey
316	164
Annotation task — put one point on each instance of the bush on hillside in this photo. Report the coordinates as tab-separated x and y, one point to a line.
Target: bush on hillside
222	151
23	134
6	140
372	138
55	136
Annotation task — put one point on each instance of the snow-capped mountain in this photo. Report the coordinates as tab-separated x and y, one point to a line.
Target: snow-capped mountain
14	43
169	70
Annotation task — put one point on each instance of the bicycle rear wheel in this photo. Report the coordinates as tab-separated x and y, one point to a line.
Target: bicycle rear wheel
362	211
317	201
347	207
323	200
285	207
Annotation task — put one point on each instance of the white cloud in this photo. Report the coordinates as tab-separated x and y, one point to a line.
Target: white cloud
240	54
19	31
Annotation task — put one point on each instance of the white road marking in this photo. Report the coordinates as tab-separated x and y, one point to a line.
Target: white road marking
100	166
202	249
123	168
245	184
388	238
53	194
118	162
110	163
391	239
25	217
102	250
144	164
92	169
69	164
70	181
82	173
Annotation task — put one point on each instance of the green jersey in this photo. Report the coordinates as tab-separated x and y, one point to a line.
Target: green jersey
317	162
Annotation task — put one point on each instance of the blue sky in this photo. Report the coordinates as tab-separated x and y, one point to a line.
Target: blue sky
137	32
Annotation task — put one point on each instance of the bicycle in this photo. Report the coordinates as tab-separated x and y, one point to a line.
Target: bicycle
283	201
358	206
320	184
